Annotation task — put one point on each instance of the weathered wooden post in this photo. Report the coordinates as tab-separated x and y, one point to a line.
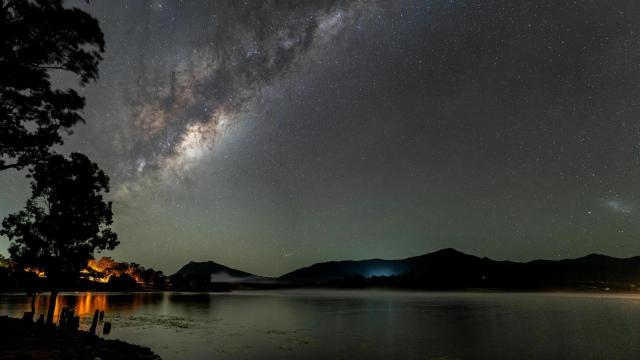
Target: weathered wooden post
74	324
69	318
94	323
63	317
27	316
107	328
33	302
68	323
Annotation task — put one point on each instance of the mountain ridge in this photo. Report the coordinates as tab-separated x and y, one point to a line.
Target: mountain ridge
450	268
210	266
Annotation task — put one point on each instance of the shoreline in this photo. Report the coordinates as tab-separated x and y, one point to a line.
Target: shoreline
21	339
355	289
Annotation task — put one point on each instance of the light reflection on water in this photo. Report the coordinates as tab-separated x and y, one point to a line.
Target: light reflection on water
83	303
372	325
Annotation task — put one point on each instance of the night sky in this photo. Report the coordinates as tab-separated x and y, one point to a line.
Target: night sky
269	135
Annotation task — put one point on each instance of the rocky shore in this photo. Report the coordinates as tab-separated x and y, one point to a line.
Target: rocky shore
26	340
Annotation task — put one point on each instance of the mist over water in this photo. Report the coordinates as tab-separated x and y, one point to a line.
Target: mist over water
364	324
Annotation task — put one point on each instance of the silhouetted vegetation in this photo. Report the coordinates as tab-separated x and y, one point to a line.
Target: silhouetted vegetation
122	282
104	274
38	38
106	269
65	220
154	279
4	272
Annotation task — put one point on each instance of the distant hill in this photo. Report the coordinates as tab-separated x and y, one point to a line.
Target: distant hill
210	268
211	276
444	269
451	269
328	271
446	261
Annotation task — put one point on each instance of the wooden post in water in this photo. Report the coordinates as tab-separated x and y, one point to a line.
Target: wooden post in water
69	320
74	324
33	302
63	317
94	323
107	328
27	316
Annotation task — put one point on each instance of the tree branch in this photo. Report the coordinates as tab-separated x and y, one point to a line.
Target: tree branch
4	166
6	5
51	67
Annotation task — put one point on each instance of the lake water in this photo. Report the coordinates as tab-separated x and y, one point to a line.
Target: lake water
364	324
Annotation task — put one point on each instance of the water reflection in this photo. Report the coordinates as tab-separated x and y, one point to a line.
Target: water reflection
358	325
84	304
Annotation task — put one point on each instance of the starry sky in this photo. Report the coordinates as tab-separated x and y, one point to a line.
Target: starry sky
269	135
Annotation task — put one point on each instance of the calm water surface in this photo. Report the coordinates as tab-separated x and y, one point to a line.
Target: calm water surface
364	324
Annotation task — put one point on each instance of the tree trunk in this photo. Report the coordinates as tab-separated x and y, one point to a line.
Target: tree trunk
52	306
33	302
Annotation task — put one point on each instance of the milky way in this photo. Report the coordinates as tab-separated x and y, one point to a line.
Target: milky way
268	135
180	107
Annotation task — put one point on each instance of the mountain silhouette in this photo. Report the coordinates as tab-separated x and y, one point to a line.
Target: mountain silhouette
443	269
446	260
211	276
451	269
211	268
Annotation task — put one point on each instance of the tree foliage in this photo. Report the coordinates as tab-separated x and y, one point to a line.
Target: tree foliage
37	38
4	262
65	220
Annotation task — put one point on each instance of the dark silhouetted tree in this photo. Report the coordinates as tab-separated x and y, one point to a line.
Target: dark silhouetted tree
65	221
122	282
38	37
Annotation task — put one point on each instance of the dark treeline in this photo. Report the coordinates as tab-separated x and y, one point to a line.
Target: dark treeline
102	275
442	270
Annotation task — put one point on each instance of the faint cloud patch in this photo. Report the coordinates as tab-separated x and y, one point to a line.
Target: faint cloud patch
620	206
